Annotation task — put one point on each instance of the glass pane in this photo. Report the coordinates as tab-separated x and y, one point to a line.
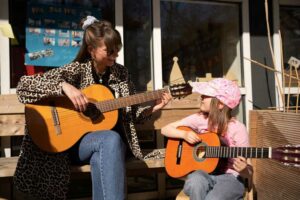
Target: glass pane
292	102
137	39
238	112
17	18
205	36
290	32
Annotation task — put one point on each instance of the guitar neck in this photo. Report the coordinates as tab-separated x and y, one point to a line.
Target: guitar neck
114	104
233	152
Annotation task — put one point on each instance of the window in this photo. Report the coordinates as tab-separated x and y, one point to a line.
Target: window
137	42
205	36
287	20
290	32
17	18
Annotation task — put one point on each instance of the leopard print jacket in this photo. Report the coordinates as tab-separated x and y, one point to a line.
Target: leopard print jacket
47	175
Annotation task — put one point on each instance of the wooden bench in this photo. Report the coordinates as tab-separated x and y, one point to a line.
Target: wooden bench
182	196
8	166
12	121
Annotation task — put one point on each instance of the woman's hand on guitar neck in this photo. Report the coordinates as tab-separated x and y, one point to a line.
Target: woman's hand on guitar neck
78	99
160	103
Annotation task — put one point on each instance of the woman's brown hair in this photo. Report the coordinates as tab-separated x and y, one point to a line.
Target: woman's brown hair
99	31
218	118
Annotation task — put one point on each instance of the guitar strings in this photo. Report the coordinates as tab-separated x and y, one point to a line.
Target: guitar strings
215	153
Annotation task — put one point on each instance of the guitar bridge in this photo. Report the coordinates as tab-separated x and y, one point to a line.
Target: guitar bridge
179	152
55	119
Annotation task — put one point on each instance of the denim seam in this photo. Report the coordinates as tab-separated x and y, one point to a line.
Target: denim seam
101	169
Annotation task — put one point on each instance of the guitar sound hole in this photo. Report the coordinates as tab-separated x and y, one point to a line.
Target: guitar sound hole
93	113
200	152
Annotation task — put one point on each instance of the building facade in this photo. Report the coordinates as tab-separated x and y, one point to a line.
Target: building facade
210	39
216	38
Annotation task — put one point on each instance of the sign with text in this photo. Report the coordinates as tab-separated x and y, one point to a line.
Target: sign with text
53	33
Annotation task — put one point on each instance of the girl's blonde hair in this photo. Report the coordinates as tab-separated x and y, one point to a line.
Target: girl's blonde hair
218	119
99	31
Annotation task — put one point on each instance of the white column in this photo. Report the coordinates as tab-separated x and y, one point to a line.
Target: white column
119	27
277	55
156	46
4	53
246	63
4	70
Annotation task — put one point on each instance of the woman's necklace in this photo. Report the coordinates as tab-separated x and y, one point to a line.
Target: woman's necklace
100	75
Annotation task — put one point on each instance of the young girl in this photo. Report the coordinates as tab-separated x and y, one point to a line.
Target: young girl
219	97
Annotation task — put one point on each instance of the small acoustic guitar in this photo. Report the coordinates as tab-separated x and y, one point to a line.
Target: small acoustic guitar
183	158
55	125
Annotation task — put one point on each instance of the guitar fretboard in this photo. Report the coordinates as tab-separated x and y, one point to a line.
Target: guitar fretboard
114	104
233	152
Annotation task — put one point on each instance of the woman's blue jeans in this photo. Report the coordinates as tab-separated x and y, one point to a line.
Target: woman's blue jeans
105	152
203	186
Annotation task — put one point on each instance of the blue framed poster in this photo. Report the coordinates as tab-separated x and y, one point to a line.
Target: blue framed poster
53	33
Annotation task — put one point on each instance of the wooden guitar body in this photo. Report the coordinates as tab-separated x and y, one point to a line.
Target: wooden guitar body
190	159
57	127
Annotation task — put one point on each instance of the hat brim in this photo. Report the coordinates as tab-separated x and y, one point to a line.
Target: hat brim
203	88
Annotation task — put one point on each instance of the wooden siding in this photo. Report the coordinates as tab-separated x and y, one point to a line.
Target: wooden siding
273	180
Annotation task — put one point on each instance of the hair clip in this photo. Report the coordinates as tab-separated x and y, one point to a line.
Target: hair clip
89	20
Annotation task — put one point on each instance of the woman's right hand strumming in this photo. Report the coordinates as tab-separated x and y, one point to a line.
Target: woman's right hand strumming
78	99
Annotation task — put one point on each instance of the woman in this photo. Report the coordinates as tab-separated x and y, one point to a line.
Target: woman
219	97
45	175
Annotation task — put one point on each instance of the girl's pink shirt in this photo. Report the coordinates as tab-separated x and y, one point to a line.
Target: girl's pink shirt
236	135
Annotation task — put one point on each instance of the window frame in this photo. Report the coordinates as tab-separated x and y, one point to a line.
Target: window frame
5	54
277	48
245	44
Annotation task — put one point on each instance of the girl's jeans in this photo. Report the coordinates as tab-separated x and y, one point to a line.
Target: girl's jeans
203	186
105	152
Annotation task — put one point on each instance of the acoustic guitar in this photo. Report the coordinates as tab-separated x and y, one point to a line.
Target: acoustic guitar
55	125
183	158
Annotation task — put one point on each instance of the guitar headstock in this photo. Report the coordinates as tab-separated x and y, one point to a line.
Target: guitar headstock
288	155
180	90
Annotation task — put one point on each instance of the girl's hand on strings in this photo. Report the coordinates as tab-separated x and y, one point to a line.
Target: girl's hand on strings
240	165
191	137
